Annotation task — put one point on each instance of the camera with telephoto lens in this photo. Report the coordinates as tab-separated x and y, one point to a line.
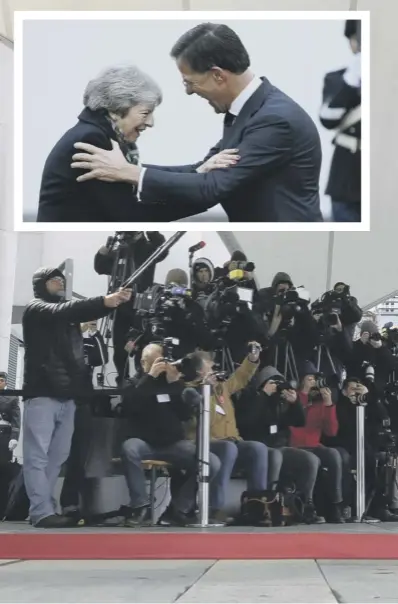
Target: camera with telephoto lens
291	302
188	366
315	395
329	307
282	385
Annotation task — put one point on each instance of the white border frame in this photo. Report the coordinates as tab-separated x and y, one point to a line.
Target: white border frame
21	16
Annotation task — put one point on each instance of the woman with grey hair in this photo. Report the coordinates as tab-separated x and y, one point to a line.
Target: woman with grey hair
118	107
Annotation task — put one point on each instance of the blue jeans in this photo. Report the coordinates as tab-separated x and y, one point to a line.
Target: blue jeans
250	456
48	426
181	454
344	211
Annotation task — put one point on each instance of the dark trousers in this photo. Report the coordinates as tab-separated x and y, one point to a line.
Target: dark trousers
74	480
121	326
331	460
345	211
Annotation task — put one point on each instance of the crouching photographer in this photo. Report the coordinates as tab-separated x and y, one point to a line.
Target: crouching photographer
265	412
380	446
157	405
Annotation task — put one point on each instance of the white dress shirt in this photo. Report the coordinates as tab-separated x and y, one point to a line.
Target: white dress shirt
236	107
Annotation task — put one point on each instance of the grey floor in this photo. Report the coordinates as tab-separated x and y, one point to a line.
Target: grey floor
289	581
203	581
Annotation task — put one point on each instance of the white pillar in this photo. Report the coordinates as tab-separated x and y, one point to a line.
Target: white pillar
8	239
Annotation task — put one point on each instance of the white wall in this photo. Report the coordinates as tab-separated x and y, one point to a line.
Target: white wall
57	71
7	237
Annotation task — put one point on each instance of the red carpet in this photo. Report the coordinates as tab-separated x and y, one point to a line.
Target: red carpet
195	546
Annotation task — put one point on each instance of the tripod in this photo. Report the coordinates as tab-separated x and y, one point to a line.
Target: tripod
289	361
386	476
119	278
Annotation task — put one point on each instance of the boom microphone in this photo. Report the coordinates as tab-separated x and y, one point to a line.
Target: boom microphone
196	247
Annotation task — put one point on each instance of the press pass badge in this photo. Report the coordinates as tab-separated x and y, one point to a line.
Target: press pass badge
220	410
163	398
273	429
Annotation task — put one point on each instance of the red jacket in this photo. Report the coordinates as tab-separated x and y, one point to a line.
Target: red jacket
320	420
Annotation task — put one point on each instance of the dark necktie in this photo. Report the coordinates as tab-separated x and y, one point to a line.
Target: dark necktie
229	119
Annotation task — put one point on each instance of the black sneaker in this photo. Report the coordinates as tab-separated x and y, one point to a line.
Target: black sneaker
173	517
386	516
336	514
139	517
310	516
75	516
54	521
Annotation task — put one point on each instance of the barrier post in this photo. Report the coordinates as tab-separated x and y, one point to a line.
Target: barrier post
361	499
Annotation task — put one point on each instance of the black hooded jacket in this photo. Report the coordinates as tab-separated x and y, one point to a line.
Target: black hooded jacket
10	412
54	355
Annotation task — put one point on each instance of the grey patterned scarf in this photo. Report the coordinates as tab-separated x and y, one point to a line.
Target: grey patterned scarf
129	150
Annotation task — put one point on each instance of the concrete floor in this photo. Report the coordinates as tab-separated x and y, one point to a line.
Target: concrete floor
204	581
289	581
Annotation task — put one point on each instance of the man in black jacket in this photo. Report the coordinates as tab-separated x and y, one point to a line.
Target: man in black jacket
134	249
55	374
341	111
157	410
276	175
264	413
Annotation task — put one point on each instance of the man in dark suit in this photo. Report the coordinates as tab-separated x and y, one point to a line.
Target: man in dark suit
275	177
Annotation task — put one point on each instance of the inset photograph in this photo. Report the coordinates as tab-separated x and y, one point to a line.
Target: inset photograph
207	118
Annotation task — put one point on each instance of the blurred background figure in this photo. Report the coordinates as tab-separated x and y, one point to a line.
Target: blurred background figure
341	112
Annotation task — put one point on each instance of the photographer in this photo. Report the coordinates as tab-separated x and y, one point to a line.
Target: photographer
55	375
355	393
341	111
226	442
95	350
264	413
156	408
10	423
335	344
290	322
371	358
321	419
120	258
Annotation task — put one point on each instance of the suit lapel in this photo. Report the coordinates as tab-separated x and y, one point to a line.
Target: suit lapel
251	107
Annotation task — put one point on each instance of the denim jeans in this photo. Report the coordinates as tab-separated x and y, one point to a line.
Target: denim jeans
48	426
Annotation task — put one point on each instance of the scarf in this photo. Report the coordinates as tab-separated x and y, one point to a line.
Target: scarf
129	149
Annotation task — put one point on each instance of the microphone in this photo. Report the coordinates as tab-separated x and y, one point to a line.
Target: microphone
196	247
191	397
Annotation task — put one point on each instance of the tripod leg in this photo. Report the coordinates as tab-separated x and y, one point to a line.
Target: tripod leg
276	356
293	364
319	357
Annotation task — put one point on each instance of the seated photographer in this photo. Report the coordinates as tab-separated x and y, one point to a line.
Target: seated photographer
321	419
264	413
226	442
355	393
156	409
131	249
371	358
289	319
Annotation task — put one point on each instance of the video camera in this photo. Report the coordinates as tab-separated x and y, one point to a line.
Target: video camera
329	307
160	305
291	302
227	300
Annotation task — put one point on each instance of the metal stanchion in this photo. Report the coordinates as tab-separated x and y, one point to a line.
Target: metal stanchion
204	457
361	500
